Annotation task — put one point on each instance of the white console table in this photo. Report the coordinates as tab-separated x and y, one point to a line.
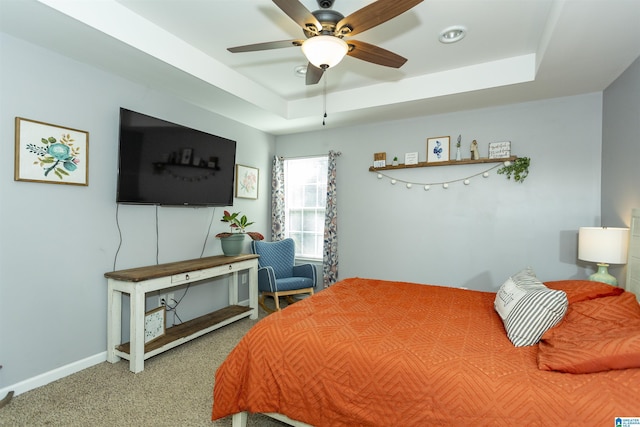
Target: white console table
138	281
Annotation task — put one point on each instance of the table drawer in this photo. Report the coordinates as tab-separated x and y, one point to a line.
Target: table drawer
186	277
222	269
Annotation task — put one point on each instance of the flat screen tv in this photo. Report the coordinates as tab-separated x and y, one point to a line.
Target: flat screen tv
163	163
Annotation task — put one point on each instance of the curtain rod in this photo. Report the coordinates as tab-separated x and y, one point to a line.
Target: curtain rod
310	156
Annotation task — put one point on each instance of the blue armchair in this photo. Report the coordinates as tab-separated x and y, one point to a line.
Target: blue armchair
277	274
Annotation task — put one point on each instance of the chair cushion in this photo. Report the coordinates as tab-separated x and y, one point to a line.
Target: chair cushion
291	283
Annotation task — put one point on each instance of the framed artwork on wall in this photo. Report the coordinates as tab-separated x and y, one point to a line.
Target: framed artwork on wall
50	154
438	149
246	182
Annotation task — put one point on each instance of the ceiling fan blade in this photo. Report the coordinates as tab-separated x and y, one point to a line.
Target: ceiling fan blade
265	46
377	55
371	15
314	74
299	13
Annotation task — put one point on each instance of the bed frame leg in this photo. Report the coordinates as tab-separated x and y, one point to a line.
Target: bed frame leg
239	420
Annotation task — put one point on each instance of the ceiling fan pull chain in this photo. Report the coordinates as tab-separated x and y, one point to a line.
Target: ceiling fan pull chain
325	100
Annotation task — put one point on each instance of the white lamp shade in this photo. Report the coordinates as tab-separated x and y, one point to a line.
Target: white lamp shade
603	244
325	51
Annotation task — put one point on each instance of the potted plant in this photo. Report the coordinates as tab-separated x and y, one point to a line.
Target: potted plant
232	241
519	168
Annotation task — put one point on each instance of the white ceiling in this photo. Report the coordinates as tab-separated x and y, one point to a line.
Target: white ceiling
515	51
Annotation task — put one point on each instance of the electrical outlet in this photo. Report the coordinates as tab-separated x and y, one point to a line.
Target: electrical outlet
244	279
162	300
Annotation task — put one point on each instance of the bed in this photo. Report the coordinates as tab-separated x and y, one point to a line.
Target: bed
369	352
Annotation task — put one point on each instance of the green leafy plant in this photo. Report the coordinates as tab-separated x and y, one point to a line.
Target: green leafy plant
519	168
238	224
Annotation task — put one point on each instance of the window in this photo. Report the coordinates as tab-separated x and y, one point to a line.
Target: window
305	189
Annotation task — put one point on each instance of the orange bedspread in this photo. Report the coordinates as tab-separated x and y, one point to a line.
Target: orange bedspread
378	353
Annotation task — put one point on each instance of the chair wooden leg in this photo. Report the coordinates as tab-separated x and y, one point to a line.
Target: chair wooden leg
276	299
263	305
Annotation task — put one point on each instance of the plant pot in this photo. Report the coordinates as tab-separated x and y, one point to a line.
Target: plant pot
232	245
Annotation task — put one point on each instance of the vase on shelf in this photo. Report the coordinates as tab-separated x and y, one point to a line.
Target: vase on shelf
458	155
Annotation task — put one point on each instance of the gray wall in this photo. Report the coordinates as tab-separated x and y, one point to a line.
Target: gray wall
57	241
476	235
621	148
621	153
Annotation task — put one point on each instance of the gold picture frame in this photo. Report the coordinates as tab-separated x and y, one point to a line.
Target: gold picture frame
247	182
50	154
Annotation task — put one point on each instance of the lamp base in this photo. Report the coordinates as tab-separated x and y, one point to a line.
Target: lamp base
602	275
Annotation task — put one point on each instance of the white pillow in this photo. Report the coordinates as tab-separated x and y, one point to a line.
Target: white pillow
528	308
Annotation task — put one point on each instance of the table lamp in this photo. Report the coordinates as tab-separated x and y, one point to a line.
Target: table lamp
604	246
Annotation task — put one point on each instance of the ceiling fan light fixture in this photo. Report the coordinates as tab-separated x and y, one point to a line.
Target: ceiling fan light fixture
325	51
452	34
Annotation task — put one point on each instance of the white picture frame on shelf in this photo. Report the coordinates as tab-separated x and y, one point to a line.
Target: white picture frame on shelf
185	156
500	150
438	149
411	158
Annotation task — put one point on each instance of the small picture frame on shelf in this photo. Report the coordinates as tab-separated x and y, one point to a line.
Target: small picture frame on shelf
438	149
500	150
185	156
154	324
411	158
379	160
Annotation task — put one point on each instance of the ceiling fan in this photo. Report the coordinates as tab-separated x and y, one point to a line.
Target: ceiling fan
325	29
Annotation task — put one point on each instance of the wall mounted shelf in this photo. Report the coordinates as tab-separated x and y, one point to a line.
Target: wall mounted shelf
445	163
163	165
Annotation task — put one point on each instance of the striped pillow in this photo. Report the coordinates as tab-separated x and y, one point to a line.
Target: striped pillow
528	308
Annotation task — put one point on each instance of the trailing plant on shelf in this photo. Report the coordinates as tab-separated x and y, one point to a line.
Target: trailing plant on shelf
519	168
238	225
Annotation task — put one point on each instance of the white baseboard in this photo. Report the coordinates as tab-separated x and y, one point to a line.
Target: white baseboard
56	374
61	372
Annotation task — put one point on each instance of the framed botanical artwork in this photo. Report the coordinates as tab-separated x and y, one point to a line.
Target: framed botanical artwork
50	154
154	324
438	149
246	182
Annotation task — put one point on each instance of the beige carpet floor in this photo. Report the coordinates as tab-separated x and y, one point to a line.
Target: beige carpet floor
175	389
